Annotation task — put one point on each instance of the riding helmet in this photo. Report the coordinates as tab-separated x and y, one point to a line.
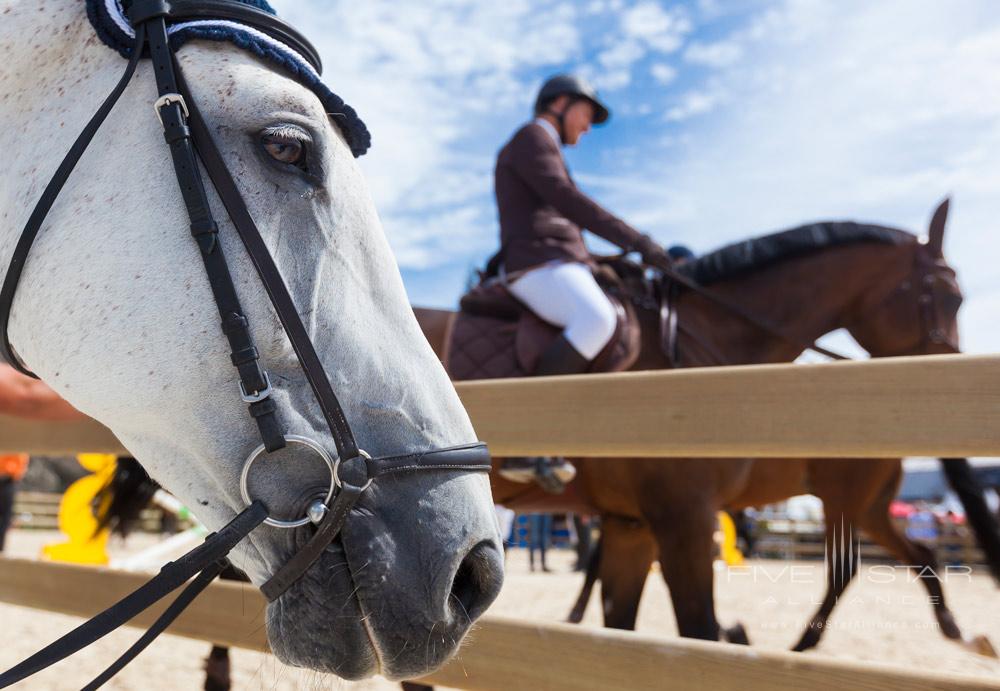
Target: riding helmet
574	86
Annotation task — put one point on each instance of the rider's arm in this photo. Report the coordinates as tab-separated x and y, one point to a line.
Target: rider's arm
538	162
26	397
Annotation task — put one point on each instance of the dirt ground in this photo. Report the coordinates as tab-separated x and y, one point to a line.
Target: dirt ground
884	617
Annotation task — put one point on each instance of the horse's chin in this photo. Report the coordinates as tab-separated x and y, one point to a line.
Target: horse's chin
321	624
318	623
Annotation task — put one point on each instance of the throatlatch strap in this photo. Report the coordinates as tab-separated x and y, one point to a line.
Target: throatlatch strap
48	198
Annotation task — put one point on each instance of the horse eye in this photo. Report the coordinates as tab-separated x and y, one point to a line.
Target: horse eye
285	149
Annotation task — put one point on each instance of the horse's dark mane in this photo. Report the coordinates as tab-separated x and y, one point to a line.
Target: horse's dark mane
755	254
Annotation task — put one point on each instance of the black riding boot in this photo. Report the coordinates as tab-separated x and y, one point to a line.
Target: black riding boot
561	357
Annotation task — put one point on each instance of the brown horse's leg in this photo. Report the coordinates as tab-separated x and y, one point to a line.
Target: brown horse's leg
841	567
848	488
982	521
217	670
593	566
217	665
881	529
687	551
628	550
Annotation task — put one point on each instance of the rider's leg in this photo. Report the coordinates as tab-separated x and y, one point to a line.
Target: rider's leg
564	294
567	295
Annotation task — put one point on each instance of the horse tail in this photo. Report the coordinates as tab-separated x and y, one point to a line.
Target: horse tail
982	521
121	501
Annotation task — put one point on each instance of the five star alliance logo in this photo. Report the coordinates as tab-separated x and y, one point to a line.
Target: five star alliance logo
841	556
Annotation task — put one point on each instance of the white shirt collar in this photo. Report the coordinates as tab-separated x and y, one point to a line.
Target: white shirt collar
550	128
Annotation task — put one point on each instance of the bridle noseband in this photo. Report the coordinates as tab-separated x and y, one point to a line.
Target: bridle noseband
933	336
189	141
932	331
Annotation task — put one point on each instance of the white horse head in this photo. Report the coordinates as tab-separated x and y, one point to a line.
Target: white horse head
114	311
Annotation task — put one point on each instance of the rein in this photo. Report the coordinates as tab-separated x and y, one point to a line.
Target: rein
931	331
189	141
747	316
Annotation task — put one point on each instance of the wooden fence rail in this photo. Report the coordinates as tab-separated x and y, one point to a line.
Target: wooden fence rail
40	511
930	406
500	654
792	539
927	406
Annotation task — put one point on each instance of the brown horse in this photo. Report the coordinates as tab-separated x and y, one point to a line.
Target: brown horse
894	294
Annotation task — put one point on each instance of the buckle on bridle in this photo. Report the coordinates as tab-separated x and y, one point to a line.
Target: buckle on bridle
256	396
168	99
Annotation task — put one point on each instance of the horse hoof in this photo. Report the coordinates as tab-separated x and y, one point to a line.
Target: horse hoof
809	640
737	634
981	645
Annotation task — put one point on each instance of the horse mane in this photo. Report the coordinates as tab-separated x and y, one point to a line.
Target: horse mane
754	254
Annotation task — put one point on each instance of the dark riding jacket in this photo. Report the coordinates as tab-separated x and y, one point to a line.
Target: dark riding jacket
542	212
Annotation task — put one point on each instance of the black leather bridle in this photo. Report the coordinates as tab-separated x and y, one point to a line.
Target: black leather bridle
189	141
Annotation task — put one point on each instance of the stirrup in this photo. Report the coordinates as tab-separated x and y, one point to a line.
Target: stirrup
551	474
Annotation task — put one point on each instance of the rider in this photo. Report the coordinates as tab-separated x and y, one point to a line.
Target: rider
542	214
542	217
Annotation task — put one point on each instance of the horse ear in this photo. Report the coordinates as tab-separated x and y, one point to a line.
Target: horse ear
935	235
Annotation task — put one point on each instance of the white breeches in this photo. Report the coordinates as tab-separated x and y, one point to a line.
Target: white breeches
566	294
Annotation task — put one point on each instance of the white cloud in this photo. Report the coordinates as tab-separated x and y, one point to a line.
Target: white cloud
616	64
695	103
719	54
710	9
430	240
603	6
622	54
662	72
662	30
979	326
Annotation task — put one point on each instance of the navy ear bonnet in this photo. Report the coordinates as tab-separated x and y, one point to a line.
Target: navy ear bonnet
111	23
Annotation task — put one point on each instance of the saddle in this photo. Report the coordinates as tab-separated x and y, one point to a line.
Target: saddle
496	336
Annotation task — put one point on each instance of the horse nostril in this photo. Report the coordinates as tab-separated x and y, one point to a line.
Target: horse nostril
477	581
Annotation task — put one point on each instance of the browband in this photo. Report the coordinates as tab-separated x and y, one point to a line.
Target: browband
181	10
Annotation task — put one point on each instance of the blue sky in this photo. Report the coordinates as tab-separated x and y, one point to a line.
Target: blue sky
731	119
